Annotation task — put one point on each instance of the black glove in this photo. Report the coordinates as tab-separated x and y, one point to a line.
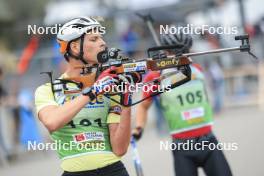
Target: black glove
137	133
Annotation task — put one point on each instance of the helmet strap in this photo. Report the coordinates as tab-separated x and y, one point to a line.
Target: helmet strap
80	57
81	50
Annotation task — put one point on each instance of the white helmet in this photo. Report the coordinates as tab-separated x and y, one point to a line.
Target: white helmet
74	29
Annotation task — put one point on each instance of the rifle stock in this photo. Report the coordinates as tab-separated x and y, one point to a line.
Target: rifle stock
85	80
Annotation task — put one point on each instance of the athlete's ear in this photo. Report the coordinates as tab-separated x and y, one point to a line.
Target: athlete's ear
75	47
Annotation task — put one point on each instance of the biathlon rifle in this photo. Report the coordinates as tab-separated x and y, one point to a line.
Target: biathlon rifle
124	65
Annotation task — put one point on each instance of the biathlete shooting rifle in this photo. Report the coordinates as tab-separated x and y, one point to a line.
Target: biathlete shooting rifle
129	67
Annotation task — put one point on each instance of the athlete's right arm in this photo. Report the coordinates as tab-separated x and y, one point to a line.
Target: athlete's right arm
142	113
141	118
51	114
54	116
142	108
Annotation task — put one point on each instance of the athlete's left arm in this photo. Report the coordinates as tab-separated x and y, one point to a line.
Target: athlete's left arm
120	133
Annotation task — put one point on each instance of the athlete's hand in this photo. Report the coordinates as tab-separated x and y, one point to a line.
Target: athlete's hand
125	91
126	98
106	80
111	79
137	133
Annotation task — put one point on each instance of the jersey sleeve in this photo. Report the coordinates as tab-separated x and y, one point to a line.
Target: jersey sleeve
197	72
44	97
150	77
115	110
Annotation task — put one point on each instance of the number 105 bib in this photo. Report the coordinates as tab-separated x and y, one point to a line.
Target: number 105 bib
186	107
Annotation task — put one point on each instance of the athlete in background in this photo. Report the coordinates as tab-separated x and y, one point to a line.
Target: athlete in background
189	116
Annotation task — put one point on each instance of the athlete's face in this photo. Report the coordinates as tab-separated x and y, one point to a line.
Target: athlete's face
93	44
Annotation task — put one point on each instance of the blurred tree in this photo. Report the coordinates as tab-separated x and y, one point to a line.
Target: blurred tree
5	14
15	15
27	9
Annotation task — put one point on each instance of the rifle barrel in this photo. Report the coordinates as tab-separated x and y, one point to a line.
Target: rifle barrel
212	51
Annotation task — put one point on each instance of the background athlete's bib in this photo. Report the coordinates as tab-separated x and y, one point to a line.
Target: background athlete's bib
186	107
